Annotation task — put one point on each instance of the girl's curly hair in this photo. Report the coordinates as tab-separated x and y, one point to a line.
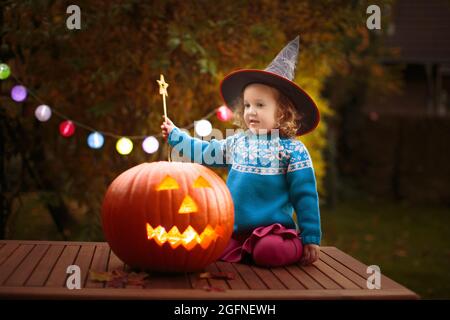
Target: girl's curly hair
289	120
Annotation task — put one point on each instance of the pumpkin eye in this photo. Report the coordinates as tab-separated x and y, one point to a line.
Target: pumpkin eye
168	183
188	205
201	183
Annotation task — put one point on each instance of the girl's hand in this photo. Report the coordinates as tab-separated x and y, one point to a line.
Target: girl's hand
167	127
310	254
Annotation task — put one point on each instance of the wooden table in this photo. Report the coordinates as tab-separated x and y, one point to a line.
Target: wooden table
37	269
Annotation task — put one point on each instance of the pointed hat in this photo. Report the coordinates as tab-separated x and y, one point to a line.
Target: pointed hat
279	74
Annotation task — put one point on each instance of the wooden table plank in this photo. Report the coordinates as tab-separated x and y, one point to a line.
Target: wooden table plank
199	282
168	281
236	283
287	279
84	260
268	278
250	278
336	276
53	242
305	279
7	250
216	283
155	280
14	260
99	264
114	263
196	282
45	266
342	269
58	275
25	269
320	277
359	267
165	294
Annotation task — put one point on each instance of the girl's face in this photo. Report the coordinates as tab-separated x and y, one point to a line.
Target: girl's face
260	108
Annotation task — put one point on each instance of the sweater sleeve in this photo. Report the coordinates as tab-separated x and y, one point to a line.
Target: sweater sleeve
303	194
210	153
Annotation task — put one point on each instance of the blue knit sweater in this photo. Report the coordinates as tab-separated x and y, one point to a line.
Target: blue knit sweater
269	177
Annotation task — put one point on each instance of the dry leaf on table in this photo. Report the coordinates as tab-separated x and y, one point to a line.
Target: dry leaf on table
119	278
100	276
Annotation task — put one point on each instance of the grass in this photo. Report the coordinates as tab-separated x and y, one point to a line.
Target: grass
410	244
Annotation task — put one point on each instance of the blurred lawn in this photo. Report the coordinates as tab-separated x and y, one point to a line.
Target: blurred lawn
410	244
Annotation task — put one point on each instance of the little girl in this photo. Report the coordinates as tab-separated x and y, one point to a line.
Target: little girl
269	176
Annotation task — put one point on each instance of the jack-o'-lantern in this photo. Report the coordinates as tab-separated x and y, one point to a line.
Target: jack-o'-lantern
168	216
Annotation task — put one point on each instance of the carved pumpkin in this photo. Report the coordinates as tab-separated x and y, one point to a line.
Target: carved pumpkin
168	216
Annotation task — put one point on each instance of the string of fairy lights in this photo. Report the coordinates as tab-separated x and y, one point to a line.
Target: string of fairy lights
96	138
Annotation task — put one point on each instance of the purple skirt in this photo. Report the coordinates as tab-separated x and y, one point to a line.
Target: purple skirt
270	246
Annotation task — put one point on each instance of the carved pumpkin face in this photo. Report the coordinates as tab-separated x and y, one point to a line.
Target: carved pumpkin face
168	216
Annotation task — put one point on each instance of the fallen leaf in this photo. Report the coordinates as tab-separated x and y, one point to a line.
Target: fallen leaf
119	278
100	276
116	283
217	275
137	279
117	273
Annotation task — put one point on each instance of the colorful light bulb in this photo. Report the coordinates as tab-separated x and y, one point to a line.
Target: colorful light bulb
19	93
150	144
203	127
43	112
95	140
4	71
67	128
124	146
224	113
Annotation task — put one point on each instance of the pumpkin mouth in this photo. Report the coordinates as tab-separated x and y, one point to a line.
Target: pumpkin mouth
188	239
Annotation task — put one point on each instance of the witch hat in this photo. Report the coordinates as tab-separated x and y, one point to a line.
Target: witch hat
279	74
